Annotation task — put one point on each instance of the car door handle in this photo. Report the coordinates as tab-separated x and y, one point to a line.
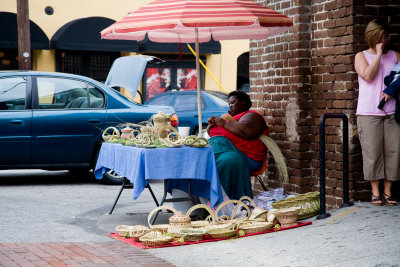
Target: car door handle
19	122
95	121
196	116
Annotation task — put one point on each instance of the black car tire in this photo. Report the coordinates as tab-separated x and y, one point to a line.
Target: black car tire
112	178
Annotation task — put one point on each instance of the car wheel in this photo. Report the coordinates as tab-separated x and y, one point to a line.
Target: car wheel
112	178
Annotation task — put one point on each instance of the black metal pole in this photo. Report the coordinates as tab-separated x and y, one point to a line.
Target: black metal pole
345	167
346	198
322	211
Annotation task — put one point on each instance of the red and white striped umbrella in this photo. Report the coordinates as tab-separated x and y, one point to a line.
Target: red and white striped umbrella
174	21
197	21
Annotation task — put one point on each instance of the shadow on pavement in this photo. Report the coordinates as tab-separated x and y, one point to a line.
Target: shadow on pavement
40	177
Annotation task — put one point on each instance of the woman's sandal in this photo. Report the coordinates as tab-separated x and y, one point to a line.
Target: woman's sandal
376	200
389	200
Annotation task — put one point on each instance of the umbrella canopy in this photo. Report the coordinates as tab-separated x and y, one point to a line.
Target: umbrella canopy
181	21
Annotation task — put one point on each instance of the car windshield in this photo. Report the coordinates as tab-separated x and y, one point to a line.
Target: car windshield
219	99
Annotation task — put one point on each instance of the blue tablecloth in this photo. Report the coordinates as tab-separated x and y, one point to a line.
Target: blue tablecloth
175	164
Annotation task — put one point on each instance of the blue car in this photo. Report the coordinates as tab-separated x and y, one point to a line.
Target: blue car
54	121
214	103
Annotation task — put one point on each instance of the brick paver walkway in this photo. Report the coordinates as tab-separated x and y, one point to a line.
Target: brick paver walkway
76	254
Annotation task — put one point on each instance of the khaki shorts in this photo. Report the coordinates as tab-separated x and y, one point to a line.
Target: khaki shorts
380	144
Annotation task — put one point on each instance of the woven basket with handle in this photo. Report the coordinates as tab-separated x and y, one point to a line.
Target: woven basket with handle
155	237
201	223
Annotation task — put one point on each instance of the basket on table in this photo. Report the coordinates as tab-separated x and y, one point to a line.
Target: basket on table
251	226
132	231
287	216
155	237
201	223
308	202
177	222
113	137
160	120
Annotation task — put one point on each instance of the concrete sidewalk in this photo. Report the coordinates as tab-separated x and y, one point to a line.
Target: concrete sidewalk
361	235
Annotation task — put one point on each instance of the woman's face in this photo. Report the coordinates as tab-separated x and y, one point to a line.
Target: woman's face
236	106
383	40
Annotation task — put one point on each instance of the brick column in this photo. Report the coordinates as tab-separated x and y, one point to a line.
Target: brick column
301	74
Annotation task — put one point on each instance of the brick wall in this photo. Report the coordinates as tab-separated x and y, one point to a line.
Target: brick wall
305	72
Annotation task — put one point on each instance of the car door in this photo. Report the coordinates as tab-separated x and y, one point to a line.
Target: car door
185	106
15	120
65	128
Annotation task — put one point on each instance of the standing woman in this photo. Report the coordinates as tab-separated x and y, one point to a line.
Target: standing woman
377	129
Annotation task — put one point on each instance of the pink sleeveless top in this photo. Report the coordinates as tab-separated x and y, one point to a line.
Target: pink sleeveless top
369	94
254	149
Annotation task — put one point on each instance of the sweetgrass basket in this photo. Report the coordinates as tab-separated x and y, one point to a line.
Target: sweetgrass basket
192	234
308	202
132	231
163	227
251	227
287	216
155	237
258	212
224	218
201	223
223	232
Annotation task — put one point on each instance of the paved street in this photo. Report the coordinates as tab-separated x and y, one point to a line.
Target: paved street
57	218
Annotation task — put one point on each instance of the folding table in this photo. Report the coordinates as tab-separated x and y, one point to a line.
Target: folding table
189	169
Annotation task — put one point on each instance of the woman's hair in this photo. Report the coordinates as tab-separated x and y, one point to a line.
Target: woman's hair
241	96
374	31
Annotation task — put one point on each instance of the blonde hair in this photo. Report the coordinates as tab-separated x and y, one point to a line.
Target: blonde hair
374	31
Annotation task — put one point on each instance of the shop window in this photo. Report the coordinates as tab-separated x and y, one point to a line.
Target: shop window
93	65
243	72
9	59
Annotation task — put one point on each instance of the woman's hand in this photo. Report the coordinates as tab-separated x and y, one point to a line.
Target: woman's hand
385	96
379	48
213	121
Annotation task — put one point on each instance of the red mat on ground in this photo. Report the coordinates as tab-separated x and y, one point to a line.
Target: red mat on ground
138	244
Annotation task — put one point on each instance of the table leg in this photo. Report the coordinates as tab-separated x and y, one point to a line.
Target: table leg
152	194
119	194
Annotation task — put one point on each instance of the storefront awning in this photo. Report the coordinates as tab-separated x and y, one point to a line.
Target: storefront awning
9	33
84	35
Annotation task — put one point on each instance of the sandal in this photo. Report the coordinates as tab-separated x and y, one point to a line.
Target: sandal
389	200
376	200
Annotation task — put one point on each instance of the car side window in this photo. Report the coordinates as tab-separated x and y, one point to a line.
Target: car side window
60	93
12	93
162	100
96	97
186	102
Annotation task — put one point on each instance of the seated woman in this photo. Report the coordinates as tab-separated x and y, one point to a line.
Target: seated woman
237	147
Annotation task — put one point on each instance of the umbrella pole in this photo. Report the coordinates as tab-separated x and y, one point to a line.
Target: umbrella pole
199	109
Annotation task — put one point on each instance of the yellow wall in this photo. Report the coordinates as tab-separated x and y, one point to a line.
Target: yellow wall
223	66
